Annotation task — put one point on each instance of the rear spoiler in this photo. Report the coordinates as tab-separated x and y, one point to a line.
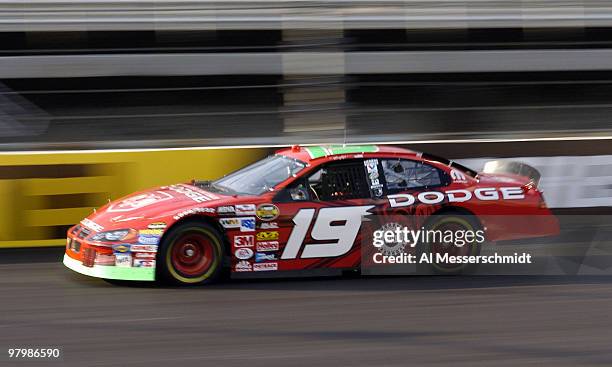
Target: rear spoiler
515	168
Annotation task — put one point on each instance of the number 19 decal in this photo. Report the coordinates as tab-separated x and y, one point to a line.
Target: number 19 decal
348	220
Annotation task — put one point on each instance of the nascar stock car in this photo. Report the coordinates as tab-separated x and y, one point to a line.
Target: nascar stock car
300	209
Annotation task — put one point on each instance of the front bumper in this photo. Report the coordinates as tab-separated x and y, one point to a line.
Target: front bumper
121	262
110	272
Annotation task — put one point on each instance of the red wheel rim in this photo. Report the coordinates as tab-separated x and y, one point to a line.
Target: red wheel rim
192	254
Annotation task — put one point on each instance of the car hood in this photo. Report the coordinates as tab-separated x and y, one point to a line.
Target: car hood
152	204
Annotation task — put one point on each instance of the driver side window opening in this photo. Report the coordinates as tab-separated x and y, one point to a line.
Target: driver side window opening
335	181
404	174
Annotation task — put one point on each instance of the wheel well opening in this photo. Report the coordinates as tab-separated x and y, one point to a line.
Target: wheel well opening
449	210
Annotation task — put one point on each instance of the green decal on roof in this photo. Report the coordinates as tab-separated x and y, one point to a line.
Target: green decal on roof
324	151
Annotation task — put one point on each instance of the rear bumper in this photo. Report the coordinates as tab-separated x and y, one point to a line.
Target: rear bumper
110	272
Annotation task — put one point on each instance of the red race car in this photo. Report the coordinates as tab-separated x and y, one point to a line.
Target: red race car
301	209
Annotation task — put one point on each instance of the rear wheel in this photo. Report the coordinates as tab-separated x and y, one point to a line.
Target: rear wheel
455	223
191	253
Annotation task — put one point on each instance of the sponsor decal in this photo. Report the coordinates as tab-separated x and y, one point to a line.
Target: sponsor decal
144	263
268	225
324	151
228	209
245	209
143	248
148	240
92	225
244	241
267	236
376	186
139	201
193	211
197	196
122	218
247	224
144	255
243	253
457	196
104	260
230	222
243	266
267	246
151	232
121	248
157	225
267	212
123	260
265	267
261	257
458	176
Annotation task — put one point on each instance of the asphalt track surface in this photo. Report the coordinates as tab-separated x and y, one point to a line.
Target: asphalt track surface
368	321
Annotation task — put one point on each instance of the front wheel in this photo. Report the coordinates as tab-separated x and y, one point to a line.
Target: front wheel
191	253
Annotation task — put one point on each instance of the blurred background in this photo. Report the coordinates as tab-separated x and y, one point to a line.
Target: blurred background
99	98
82	82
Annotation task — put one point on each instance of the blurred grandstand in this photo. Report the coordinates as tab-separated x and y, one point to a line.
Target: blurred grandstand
128	74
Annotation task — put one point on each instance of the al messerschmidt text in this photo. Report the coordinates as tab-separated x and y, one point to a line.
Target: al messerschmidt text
428	258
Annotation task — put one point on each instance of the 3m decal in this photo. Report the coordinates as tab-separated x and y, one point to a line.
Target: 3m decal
343	236
244	241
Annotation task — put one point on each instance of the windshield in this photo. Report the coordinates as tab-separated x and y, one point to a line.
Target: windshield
260	176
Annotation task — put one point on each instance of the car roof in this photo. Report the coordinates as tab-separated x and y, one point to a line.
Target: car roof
311	153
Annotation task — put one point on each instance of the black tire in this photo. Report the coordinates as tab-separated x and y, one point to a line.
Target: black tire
174	259
460	222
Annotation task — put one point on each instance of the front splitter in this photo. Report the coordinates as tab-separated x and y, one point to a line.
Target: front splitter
110	272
